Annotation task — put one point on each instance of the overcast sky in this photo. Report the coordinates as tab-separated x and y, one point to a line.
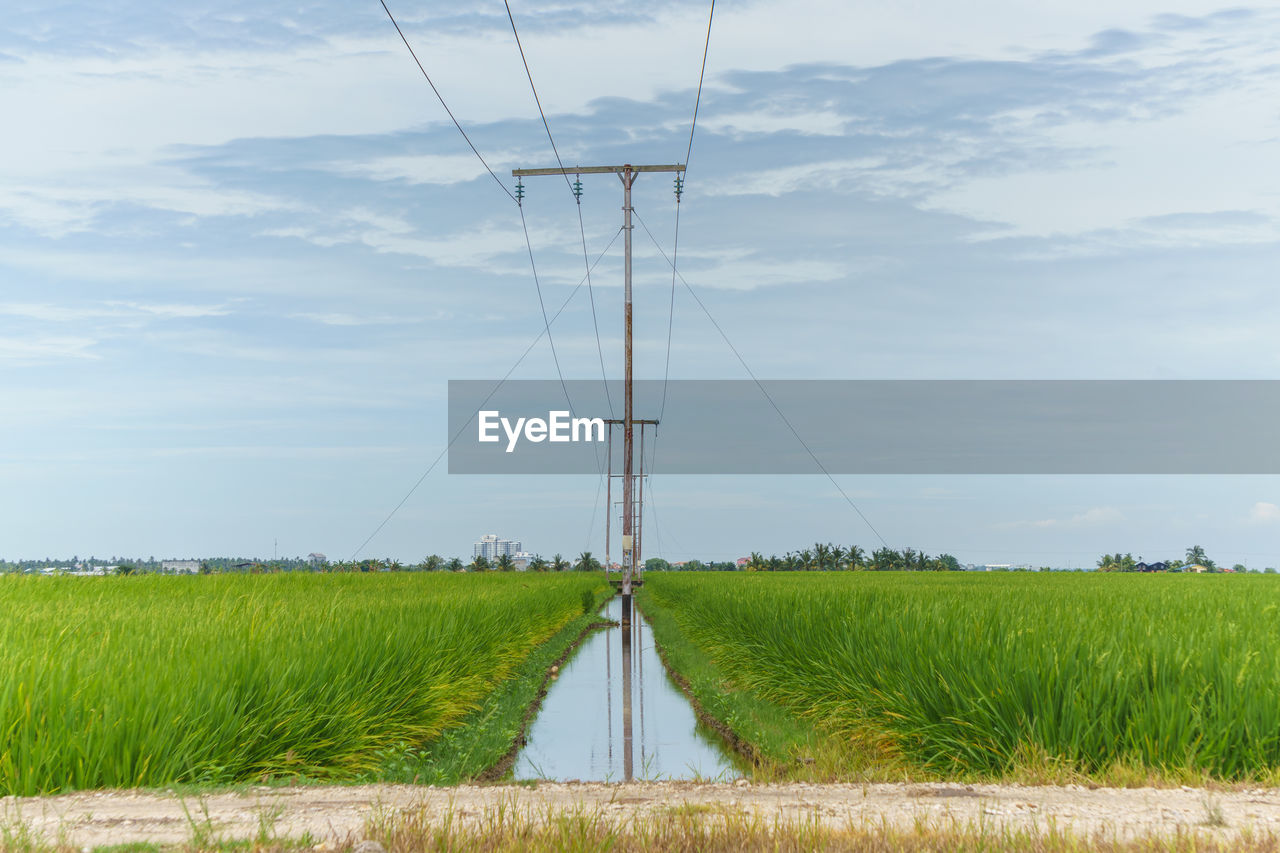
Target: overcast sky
243	249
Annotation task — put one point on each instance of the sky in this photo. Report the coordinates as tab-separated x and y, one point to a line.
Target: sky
243	250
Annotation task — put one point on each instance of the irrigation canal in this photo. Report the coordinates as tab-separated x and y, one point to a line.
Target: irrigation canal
581	731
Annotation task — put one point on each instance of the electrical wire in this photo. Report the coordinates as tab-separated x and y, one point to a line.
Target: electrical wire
760	385
533	266
440	98
675	246
543	305
524	226
564	174
496	387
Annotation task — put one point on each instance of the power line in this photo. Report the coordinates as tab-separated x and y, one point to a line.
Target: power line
440	98
575	191
524	226
501	382
543	305
675	246
698	100
760	385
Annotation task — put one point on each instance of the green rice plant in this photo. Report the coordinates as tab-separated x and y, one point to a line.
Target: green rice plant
144	681
983	674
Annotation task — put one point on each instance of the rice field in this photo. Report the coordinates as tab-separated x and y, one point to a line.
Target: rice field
979	675
146	681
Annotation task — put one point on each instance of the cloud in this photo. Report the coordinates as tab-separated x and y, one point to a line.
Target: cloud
418	168
346	319
810	122
51	313
71	203
1095	517
42	350
1265	513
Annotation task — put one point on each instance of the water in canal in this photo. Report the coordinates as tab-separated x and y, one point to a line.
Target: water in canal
580	732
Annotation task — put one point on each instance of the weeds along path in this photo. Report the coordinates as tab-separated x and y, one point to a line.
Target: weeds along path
150	681
945	816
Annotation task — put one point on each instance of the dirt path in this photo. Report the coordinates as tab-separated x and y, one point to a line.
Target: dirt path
339	813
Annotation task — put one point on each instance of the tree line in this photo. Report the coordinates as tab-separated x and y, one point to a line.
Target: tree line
829	557
1195	556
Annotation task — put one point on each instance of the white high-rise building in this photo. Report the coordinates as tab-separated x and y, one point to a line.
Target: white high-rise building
491	547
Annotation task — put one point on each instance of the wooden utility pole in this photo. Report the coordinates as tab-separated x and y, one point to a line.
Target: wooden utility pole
627	173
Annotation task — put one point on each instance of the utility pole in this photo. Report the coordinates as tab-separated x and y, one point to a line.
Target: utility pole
627	173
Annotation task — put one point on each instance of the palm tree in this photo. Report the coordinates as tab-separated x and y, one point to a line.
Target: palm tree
432	563
855	556
1196	554
454	565
804	560
586	562
559	564
756	563
479	564
885	560
538	564
505	563
821	554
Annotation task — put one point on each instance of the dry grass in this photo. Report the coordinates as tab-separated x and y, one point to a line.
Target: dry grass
715	829
701	828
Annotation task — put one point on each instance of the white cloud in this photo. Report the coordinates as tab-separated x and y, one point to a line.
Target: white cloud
1140	172
814	123
180	311
57	205
45	349
419	168
1095	517
345	319
1265	513
50	313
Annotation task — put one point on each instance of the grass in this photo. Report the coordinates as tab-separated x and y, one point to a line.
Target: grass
482	738
148	681
713	830
730	830
1047	678
776	743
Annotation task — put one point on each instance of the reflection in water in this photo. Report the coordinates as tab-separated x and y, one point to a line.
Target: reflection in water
582	731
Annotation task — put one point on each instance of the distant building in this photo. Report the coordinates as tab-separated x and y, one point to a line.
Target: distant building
491	547
522	560
1158	566
181	567
742	561
1195	567
315	558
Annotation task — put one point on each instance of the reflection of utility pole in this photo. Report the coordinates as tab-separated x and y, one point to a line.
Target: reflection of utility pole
627	769
627	173
640	676
608	700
